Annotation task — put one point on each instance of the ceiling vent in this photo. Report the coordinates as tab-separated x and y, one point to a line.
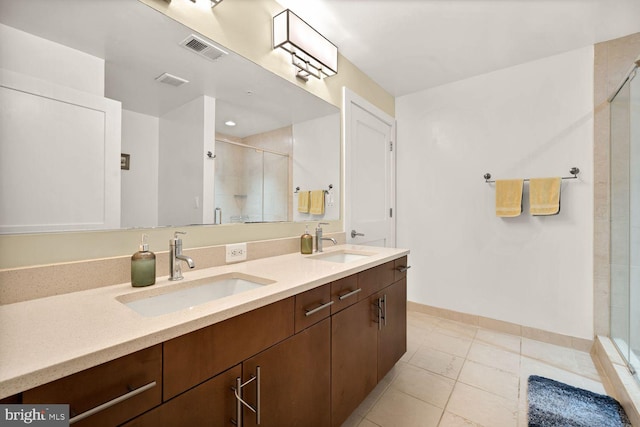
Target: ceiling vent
172	80
202	47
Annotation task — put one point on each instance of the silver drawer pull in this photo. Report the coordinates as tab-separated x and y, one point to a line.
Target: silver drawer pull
113	402
403	268
348	294
317	309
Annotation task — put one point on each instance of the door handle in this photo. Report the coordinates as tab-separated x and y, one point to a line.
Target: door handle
354	233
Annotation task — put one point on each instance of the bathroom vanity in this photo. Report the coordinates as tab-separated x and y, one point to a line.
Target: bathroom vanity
305	348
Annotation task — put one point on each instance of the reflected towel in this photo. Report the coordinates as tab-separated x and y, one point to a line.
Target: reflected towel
303	201
509	197
317	202
544	196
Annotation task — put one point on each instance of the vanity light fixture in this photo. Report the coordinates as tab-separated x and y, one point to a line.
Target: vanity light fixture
311	53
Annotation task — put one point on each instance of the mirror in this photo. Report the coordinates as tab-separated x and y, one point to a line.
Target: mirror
95	135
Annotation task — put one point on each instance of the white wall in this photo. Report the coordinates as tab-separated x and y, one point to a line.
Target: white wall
316	165
186	134
140	138
532	120
50	61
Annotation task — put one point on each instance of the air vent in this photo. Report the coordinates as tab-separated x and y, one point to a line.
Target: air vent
202	47
172	80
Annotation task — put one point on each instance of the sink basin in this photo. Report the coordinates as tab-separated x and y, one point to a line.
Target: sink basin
164	300
342	256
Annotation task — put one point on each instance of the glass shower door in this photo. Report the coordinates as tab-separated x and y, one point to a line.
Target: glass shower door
625	221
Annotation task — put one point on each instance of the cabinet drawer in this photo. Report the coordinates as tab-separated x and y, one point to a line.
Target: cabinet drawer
376	278
209	404
400	268
345	292
312	306
195	357
93	387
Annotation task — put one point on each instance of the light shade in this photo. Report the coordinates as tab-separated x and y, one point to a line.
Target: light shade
311	52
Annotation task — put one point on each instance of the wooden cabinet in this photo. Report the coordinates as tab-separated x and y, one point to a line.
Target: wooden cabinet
138	376
195	357
209	404
295	381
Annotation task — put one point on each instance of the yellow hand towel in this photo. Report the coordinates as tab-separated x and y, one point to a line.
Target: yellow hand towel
509	197
544	196
303	201
317	202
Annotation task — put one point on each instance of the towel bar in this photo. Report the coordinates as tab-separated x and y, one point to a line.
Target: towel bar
574	172
325	191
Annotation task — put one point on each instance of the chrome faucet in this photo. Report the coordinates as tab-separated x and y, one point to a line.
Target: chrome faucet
319	237
175	256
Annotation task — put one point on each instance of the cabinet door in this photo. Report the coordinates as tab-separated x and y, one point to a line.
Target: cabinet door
354	336
392	336
295	381
210	404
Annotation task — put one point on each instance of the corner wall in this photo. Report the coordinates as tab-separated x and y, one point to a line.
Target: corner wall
532	120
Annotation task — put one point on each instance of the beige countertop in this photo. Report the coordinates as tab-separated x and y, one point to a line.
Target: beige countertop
48	338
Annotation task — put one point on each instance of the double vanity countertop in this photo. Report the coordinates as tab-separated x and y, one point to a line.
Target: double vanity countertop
49	338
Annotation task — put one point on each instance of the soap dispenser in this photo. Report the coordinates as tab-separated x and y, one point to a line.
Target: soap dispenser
306	242
143	265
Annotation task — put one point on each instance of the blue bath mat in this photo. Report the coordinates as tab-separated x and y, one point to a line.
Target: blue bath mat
555	404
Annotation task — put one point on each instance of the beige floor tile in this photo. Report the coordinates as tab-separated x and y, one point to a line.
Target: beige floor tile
422	321
552	354
424	385
456	329
398	409
482	407
367	423
498	339
453	420
502	383
438	362
495	357
446	343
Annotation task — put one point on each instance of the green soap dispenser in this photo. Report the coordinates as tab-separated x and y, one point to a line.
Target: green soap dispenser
143	266
306	242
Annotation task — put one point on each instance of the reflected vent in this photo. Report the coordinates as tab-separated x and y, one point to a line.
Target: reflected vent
172	80
202	47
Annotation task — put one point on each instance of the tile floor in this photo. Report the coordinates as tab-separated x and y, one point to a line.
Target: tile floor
455	374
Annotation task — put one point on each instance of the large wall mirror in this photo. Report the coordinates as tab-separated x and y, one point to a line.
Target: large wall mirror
114	116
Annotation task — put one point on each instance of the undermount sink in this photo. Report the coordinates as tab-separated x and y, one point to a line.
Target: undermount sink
342	256
180	296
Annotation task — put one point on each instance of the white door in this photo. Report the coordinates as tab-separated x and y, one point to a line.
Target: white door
370	173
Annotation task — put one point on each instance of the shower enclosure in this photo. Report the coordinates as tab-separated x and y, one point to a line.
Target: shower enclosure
251	183
625	219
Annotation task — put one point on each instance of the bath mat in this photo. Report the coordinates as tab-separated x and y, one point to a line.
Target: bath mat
555	404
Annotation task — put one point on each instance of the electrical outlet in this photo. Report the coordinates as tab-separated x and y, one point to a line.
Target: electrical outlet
236	252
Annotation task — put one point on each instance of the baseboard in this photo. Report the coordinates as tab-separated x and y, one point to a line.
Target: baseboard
505	327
